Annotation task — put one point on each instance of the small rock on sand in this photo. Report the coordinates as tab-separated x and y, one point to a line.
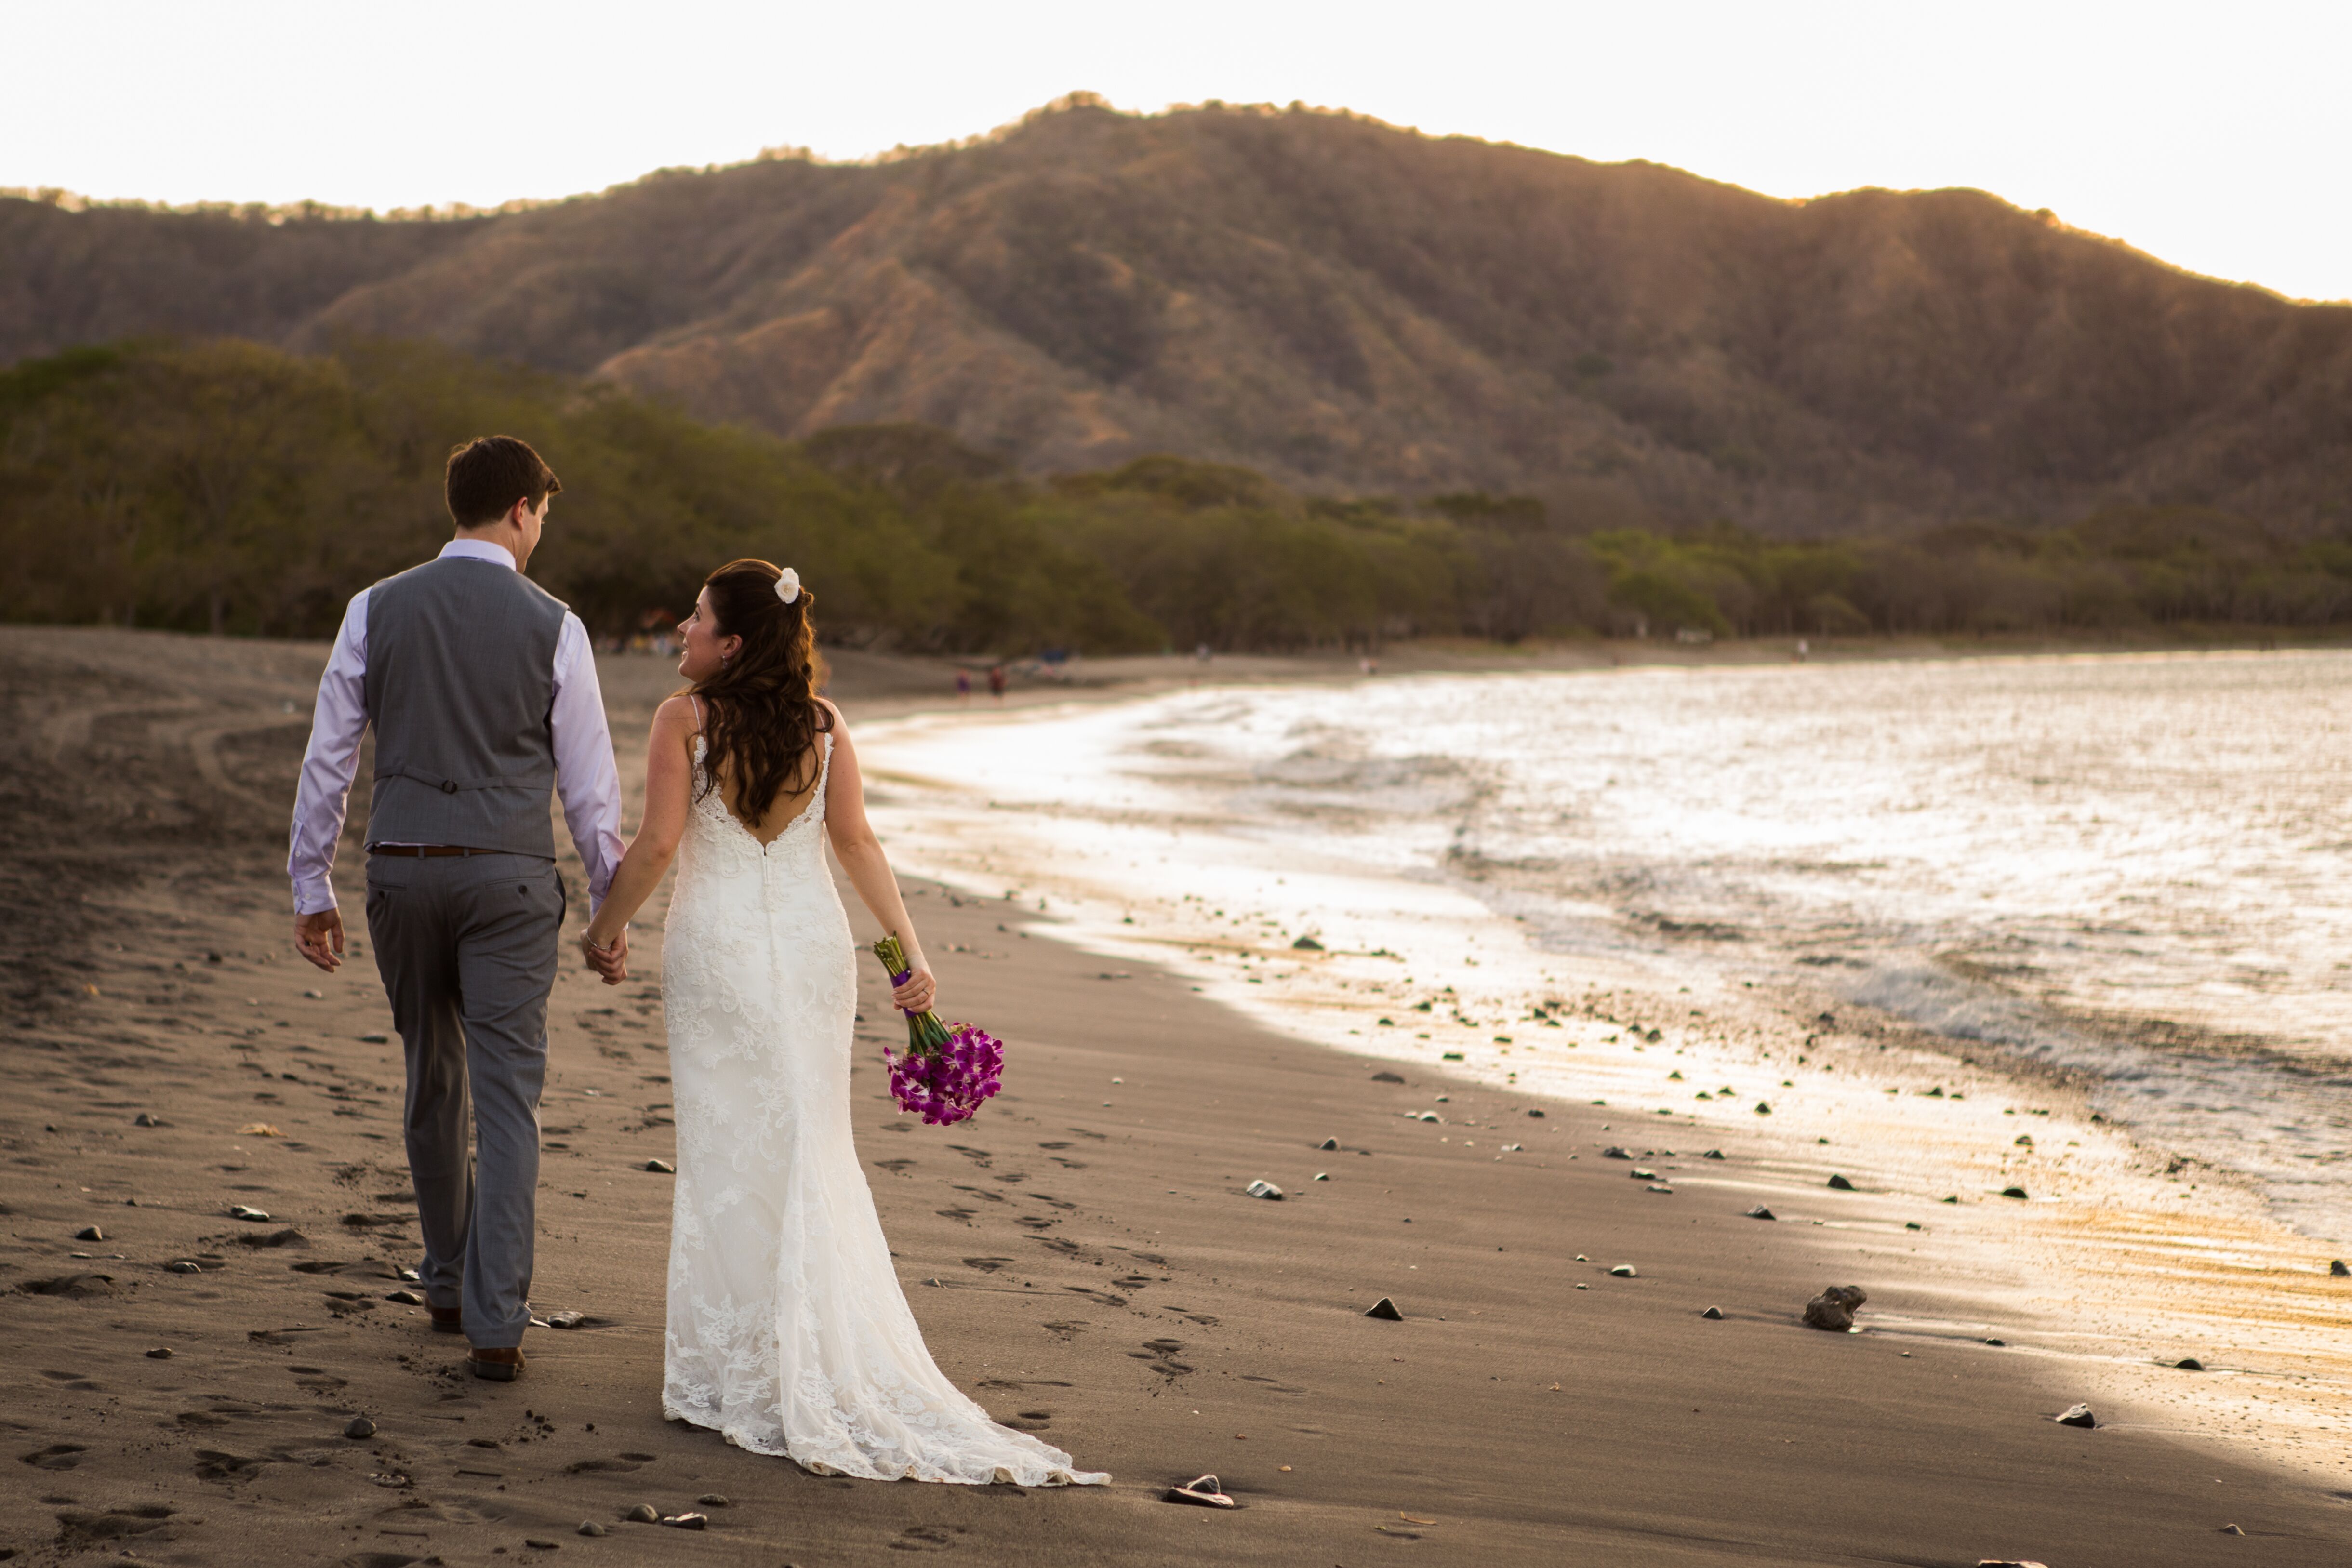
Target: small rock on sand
160	1352
184	1266
147	1118
359	1427
1386	1310
2188	1363
89	1233
661	1167
590	1527
1622	1271
1262	1188
1712	1154
1835	1308
1713	1314
2340	1270
1614	1153
1388	1077
1761	1211
2012	1192
1839	1184
644	1513
1537	1114
246	1211
1763	1108
712	1499
687	1520
1328	1143
2077	1415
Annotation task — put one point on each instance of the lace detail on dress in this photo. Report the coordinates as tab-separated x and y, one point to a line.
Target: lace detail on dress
788	1330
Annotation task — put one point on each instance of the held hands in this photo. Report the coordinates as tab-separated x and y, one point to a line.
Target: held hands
611	961
319	939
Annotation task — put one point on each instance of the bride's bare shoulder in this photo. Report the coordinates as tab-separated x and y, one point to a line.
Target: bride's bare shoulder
678	715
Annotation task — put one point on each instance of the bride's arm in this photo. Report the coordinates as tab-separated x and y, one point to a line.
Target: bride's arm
861	856
670	779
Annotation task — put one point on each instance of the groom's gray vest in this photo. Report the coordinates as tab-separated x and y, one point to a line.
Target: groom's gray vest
460	677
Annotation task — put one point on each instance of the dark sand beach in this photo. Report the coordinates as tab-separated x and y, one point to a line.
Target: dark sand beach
1082	1257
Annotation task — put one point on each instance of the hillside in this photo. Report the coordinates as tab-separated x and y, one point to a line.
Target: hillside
1347	307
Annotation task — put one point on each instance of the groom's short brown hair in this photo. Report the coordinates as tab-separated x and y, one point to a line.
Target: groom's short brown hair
489	473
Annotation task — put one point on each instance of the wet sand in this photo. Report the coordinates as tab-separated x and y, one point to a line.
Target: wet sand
1099	1276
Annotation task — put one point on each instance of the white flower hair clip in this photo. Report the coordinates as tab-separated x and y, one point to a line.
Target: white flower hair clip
788	586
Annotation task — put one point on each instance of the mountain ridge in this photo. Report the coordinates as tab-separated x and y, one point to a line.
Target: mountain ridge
1347	306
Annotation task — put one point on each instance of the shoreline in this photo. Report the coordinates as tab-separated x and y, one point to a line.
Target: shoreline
2108	1257
1101	1275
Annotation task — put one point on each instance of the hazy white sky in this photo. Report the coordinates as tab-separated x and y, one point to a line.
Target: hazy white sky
2213	135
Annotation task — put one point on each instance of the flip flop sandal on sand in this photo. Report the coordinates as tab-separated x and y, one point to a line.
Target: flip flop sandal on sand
1203	1491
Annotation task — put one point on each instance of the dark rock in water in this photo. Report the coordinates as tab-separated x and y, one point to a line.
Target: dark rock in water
1388	1077
1328	1143
2012	1192
1713	1314
404	1298
89	1233
1537	1114
1386	1310
661	1167
2077	1416
147	1118
1306	944
643	1513
360	1426
687	1520
590	1527
712	1499
1839	1184
160	1352
1712	1154
1835	1308
2340	1270
1761	1211
1613	1152
2188	1363
1205	1490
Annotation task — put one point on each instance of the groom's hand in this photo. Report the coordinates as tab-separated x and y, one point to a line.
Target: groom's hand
610	963
319	937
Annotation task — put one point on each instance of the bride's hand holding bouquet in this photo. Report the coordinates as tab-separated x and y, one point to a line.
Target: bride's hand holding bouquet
948	1070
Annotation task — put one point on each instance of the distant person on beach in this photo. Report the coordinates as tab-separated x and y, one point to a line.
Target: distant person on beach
788	1330
482	692
996	681
964	684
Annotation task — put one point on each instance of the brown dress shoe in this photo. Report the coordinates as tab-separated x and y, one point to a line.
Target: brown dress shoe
448	1319
499	1364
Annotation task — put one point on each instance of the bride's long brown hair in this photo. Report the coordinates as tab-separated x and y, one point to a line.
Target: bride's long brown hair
762	717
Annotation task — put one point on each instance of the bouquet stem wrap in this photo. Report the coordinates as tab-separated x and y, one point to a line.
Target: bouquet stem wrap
947	1068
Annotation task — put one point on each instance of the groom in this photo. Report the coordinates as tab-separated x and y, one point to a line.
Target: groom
482	689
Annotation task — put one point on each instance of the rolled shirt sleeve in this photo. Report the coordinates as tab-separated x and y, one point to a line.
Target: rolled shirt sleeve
337	722
586	777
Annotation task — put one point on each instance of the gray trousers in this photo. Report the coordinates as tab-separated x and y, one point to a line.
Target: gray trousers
466	947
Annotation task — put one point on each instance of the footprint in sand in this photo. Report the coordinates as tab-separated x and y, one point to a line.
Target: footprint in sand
986	1265
56	1456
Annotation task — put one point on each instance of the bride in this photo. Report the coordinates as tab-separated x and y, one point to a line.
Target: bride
788	1331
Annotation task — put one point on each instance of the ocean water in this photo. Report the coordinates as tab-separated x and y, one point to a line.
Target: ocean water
2135	866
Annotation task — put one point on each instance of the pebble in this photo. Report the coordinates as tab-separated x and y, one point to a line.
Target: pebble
2231	1530
2340	1270
160	1352
1641	1174
2012	1192
2004	1344
1264	1189
404	1298
661	1167
89	1233
590	1527
244	1211
1325	1175
712	1499
2078	1415
147	1118
1622	1271
1839	1184
1654	1187
1763	1108
1712	1154
1537	1114
566	1319
1913	1225
183	1266
375	1039
1328	1143
1388	1077
1835	1308
1713	1314
540	1545
687	1520
1761	1211
1386	1310
644	1513
360	1426
2188	1363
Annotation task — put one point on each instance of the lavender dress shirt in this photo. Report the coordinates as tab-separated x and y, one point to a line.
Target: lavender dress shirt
585	775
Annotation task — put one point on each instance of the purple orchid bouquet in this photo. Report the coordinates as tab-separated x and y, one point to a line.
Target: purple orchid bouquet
948	1069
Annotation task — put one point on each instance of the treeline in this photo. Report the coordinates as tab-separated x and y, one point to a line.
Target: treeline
228	487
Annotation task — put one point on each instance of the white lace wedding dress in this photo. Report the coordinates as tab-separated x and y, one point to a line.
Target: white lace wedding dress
788	1331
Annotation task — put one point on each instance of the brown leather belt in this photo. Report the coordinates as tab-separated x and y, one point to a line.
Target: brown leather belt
427	852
